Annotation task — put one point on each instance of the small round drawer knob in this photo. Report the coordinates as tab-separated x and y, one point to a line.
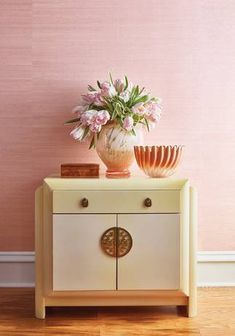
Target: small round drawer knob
84	202
148	202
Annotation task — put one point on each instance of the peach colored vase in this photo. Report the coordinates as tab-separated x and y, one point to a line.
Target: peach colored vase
115	147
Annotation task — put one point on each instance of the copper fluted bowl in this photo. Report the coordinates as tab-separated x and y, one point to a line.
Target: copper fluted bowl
158	161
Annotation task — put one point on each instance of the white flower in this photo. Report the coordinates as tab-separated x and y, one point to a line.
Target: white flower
78	133
151	125
125	95
128	123
130	86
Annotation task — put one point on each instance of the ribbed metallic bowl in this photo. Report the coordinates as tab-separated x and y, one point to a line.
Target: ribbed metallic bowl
158	161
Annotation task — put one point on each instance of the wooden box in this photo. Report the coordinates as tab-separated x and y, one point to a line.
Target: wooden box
79	170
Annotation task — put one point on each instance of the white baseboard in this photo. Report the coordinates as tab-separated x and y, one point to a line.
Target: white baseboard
16	269
215	268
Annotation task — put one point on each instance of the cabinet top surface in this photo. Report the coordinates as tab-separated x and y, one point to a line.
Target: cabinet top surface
132	183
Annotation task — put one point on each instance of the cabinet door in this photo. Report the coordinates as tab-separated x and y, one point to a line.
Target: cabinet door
78	260
154	259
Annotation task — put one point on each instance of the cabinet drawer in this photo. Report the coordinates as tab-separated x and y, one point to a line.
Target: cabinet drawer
162	201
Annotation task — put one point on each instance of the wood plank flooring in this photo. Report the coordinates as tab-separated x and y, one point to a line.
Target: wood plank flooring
216	317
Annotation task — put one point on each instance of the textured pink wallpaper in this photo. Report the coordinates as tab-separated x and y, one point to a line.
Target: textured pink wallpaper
183	50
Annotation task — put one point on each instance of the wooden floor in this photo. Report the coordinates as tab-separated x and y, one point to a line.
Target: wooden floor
216	316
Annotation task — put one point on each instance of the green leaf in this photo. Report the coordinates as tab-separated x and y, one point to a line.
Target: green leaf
130	102
118	109
126	85
137	90
136	118
141	91
147	124
71	121
90	88
113	116
135	94
133	131
142	99
99	85
108	104
127	110
120	121
85	133
92	144
111	78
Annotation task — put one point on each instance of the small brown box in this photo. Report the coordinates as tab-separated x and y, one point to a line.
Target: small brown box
80	170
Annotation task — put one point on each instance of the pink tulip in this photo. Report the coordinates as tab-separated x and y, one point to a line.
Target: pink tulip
153	111
119	85
89	98
102	117
128	123
78	110
153	105
98	99
95	128
88	117
107	90
93	98
154	116
139	109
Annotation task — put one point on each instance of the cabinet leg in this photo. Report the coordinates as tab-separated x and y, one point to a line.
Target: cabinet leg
40	309
192	306
192	300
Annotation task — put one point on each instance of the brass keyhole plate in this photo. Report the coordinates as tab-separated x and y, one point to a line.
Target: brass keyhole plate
116	242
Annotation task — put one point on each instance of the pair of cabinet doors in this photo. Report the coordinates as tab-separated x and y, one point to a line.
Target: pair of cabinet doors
79	263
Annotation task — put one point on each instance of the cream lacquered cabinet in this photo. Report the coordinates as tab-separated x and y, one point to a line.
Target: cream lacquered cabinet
115	242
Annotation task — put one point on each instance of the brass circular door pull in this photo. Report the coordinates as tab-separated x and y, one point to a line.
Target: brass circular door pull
84	202
148	202
116	242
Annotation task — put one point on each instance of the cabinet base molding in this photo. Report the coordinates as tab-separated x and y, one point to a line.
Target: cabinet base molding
128	299
120	298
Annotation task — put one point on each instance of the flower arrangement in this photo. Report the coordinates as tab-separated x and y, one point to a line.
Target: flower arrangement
114	101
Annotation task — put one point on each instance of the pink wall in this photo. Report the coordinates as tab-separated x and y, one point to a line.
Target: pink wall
183	50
